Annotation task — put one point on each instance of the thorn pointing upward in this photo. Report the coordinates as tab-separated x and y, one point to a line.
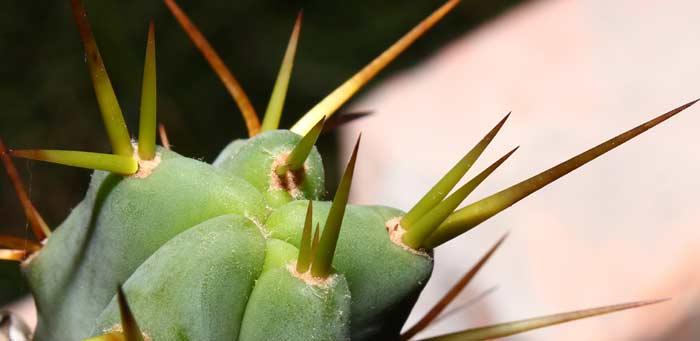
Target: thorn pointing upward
449	180
106	98
428	223
147	124
466	218
301	151
304	259
271	120
321	265
342	94
234	88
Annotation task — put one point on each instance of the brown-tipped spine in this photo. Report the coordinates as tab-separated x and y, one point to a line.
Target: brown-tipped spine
39	227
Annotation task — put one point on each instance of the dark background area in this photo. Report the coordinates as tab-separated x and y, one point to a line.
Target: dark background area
48	101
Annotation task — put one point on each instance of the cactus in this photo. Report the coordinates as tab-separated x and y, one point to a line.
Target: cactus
165	247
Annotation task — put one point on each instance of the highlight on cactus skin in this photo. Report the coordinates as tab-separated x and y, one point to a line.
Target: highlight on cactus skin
246	248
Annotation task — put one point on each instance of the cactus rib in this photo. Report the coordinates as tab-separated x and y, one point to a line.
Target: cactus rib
321	264
228	250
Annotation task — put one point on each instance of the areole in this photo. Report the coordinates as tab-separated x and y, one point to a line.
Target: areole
167	247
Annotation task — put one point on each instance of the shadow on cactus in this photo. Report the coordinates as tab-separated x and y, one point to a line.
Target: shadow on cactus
245	248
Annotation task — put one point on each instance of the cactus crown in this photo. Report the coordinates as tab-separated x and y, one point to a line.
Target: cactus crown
159	223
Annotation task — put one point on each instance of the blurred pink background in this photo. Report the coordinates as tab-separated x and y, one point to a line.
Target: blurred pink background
622	228
574	73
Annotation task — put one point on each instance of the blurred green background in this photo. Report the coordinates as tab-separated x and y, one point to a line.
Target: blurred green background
48	101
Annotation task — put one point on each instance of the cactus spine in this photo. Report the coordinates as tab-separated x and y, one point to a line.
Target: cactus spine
228	250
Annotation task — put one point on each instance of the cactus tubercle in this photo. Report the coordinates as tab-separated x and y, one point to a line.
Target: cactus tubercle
214	251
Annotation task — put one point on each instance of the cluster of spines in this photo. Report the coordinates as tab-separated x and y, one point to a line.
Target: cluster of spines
316	255
122	160
433	221
296	158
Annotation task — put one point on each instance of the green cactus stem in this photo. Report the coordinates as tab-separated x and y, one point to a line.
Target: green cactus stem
257	159
306	243
323	257
227	251
285	307
199	294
